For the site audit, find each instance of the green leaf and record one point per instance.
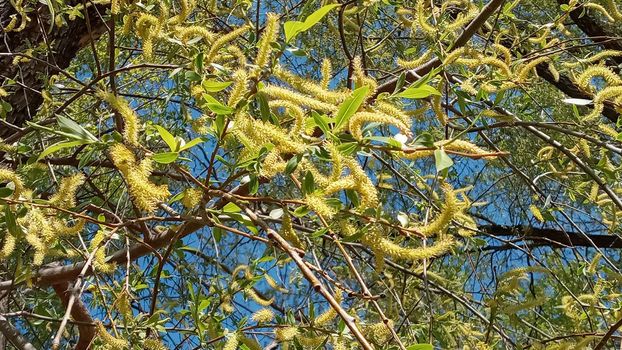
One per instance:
(231, 208)
(69, 126)
(442, 160)
(165, 157)
(11, 223)
(219, 108)
(321, 122)
(421, 347)
(168, 138)
(350, 106)
(293, 28)
(264, 108)
(214, 85)
(58, 146)
(191, 144)
(5, 192)
(291, 165)
(419, 92)
(308, 185)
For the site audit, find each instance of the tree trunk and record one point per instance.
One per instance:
(54, 46)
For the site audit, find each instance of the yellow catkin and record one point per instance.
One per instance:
(585, 78)
(263, 316)
(379, 332)
(416, 62)
(192, 197)
(439, 112)
(530, 304)
(130, 118)
(145, 194)
(10, 176)
(317, 203)
(327, 73)
(122, 304)
(525, 70)
(358, 120)
(223, 40)
(361, 78)
(187, 33)
(9, 245)
(270, 35)
(293, 110)
(115, 6)
(608, 130)
(283, 334)
(535, 211)
(240, 88)
(311, 342)
(448, 213)
(186, 8)
(613, 10)
(610, 92)
(451, 145)
(288, 232)
(374, 240)
(99, 258)
(601, 9)
(65, 197)
(256, 298)
(598, 57)
(330, 313)
(153, 344)
(421, 19)
(273, 284)
(148, 27)
(311, 88)
(280, 93)
(594, 191)
(232, 342)
(109, 341)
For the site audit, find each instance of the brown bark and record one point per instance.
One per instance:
(79, 313)
(554, 238)
(61, 43)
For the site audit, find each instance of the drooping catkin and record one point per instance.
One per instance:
(250, 292)
(330, 313)
(130, 118)
(270, 35)
(108, 340)
(65, 197)
(448, 212)
(99, 257)
(327, 73)
(223, 40)
(12, 177)
(145, 194)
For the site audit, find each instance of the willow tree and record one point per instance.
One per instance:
(310, 175)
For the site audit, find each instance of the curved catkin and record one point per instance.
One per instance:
(358, 120)
(601, 9)
(330, 313)
(374, 240)
(222, 41)
(130, 118)
(263, 316)
(293, 110)
(99, 257)
(185, 8)
(280, 93)
(187, 33)
(273, 284)
(421, 19)
(270, 35)
(610, 92)
(584, 79)
(613, 10)
(147, 28)
(598, 57)
(361, 78)
(10, 176)
(65, 197)
(256, 298)
(145, 194)
(317, 203)
(526, 69)
(108, 340)
(416, 62)
(448, 213)
(308, 87)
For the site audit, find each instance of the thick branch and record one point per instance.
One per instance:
(79, 313)
(552, 237)
(13, 336)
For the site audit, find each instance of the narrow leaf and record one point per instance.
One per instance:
(350, 106)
